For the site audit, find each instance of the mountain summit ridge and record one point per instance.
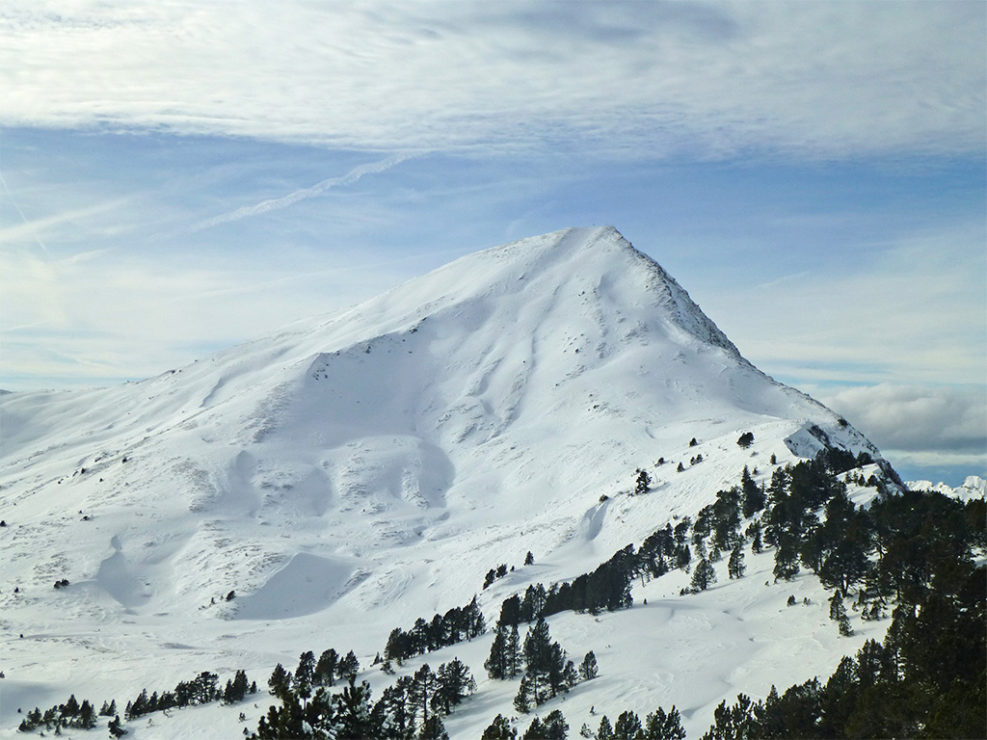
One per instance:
(578, 251)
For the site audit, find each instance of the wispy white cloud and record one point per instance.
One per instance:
(616, 79)
(917, 313)
(96, 317)
(36, 229)
(274, 204)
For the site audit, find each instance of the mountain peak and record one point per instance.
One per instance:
(577, 264)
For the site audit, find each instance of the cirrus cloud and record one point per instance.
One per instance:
(818, 80)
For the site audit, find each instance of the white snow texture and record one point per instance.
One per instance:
(361, 470)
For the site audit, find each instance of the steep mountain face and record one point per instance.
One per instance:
(368, 468)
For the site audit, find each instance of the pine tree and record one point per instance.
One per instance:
(661, 726)
(510, 611)
(533, 603)
(279, 682)
(71, 707)
(737, 721)
(352, 711)
(87, 716)
(554, 726)
(642, 483)
(702, 576)
(605, 731)
(394, 714)
(433, 729)
(348, 667)
(421, 690)
(137, 707)
(754, 533)
(302, 680)
(236, 689)
(499, 729)
(114, 727)
(529, 559)
(204, 688)
(570, 677)
(845, 542)
(683, 556)
(735, 566)
(588, 669)
(496, 662)
(513, 654)
(627, 727)
(837, 612)
(752, 496)
(544, 662)
(535, 731)
(455, 683)
(786, 559)
(525, 695)
(473, 621)
(399, 646)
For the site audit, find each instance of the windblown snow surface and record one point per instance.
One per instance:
(362, 470)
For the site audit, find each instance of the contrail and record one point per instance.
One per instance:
(30, 228)
(290, 199)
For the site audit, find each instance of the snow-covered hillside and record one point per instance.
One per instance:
(362, 470)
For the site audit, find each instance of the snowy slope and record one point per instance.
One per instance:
(358, 471)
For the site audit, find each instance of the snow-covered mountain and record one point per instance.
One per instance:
(972, 487)
(361, 470)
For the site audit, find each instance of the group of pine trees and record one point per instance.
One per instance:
(501, 570)
(456, 625)
(915, 553)
(552, 727)
(656, 726)
(493, 574)
(547, 671)
(928, 678)
(312, 674)
(202, 689)
(607, 587)
(69, 714)
(411, 707)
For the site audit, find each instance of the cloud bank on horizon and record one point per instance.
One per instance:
(180, 176)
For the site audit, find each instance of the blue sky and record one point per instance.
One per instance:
(178, 177)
